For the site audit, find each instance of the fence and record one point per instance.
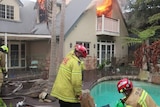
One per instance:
(27, 72)
(93, 75)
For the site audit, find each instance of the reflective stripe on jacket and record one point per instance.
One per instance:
(68, 83)
(140, 98)
(2, 61)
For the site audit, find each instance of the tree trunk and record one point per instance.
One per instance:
(61, 39)
(145, 65)
(53, 64)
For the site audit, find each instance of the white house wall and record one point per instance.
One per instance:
(84, 31)
(121, 49)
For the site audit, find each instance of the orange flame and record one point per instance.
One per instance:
(41, 4)
(105, 8)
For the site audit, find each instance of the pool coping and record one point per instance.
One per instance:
(113, 78)
(110, 78)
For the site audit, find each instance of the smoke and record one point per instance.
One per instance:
(123, 4)
(94, 3)
(33, 0)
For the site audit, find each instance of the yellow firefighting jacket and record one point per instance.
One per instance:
(2, 61)
(68, 83)
(140, 98)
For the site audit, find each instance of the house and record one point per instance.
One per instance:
(26, 33)
(101, 35)
(17, 22)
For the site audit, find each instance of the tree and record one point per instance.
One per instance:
(142, 41)
(143, 22)
(53, 56)
(53, 64)
(61, 39)
(140, 11)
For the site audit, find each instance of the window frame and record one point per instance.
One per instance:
(20, 57)
(6, 12)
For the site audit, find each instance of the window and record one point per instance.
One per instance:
(14, 55)
(42, 15)
(2, 11)
(23, 55)
(6, 11)
(105, 51)
(10, 12)
(86, 44)
(42, 11)
(17, 55)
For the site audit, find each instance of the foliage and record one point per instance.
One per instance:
(142, 51)
(2, 103)
(154, 19)
(10, 105)
(143, 22)
(140, 11)
(104, 63)
(152, 53)
(142, 36)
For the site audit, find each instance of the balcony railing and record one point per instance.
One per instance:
(108, 26)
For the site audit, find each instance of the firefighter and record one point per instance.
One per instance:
(3, 72)
(67, 87)
(134, 96)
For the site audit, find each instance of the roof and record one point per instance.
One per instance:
(26, 23)
(28, 15)
(72, 13)
(19, 2)
(41, 28)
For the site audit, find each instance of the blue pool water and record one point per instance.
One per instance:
(106, 92)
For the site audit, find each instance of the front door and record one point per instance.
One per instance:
(105, 52)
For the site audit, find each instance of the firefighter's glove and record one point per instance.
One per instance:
(79, 97)
(120, 103)
(43, 95)
(123, 100)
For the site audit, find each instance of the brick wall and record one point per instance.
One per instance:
(90, 63)
(155, 78)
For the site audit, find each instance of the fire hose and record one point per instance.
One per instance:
(7, 96)
(20, 103)
(16, 92)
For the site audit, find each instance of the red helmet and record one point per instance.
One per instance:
(124, 84)
(81, 49)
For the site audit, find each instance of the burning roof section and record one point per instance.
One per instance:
(41, 4)
(104, 8)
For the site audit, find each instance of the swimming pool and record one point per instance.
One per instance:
(106, 92)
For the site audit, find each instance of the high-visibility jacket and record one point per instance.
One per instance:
(2, 67)
(140, 98)
(2, 61)
(68, 83)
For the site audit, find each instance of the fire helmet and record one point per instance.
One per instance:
(124, 85)
(81, 49)
(4, 49)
